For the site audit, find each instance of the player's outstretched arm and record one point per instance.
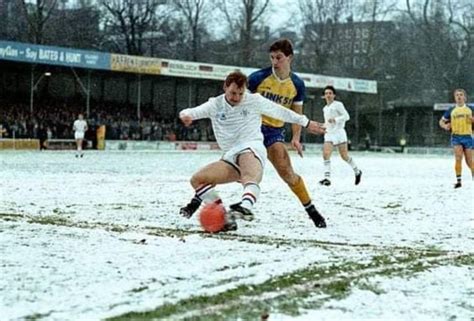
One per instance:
(188, 115)
(274, 110)
(186, 119)
(316, 128)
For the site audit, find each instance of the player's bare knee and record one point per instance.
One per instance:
(197, 180)
(289, 176)
(250, 177)
(293, 181)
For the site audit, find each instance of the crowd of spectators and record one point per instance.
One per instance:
(121, 121)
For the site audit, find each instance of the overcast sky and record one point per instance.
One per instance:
(281, 13)
(278, 16)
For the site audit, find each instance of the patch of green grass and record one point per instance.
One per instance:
(291, 306)
(11, 217)
(37, 316)
(382, 259)
(289, 292)
(367, 286)
(140, 289)
(119, 206)
(2, 215)
(48, 220)
(338, 289)
(275, 284)
(392, 205)
(465, 260)
(182, 233)
(225, 281)
(117, 229)
(286, 293)
(58, 211)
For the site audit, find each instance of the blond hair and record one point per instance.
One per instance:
(460, 90)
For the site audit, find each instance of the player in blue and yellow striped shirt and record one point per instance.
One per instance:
(458, 120)
(279, 84)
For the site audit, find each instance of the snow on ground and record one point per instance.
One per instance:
(100, 236)
(434, 295)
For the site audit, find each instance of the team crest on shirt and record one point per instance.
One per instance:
(221, 116)
(244, 112)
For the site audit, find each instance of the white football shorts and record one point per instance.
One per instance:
(79, 135)
(336, 137)
(255, 147)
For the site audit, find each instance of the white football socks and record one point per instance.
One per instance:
(250, 194)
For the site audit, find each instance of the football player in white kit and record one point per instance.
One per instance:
(335, 118)
(236, 118)
(80, 128)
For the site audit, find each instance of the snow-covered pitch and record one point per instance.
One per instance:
(100, 236)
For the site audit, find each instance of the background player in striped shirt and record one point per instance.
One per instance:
(279, 84)
(458, 120)
(236, 118)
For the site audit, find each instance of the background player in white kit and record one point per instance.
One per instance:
(335, 118)
(236, 118)
(80, 128)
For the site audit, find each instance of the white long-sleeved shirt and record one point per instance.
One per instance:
(238, 124)
(337, 111)
(79, 125)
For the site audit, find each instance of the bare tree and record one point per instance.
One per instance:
(129, 21)
(348, 38)
(244, 19)
(379, 43)
(13, 22)
(194, 12)
(76, 26)
(445, 31)
(461, 25)
(37, 14)
(320, 20)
